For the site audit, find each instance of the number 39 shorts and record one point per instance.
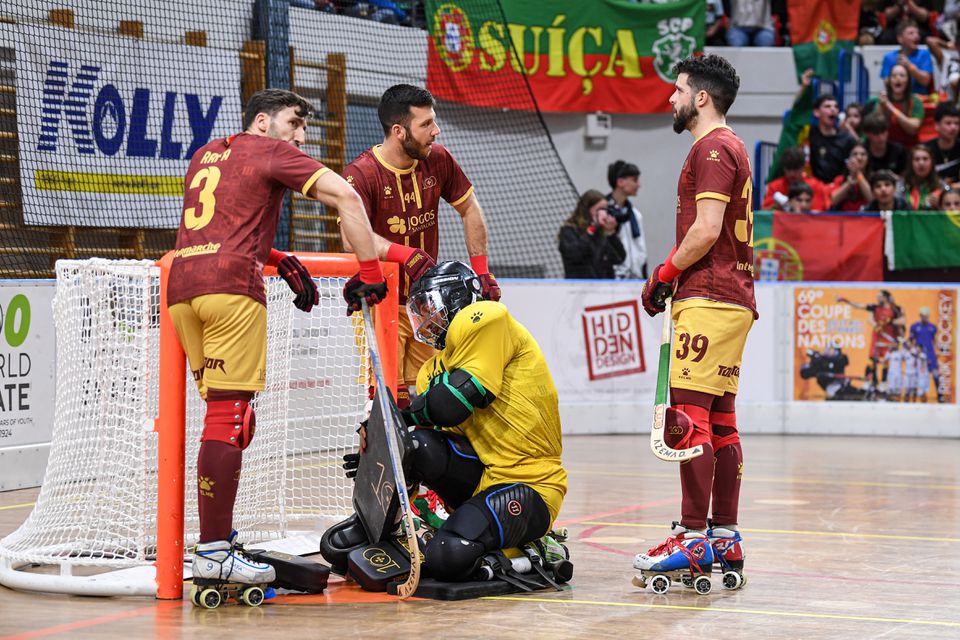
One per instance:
(708, 340)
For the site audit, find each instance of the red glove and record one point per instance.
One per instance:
(297, 278)
(367, 285)
(413, 261)
(659, 286)
(489, 289)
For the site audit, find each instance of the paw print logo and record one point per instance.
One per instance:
(685, 372)
(206, 484)
(350, 180)
(397, 224)
(476, 316)
(714, 155)
(387, 191)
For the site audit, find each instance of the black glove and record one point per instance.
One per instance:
(655, 293)
(489, 288)
(298, 279)
(351, 462)
(356, 290)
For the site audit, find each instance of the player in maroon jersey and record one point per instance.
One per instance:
(216, 296)
(888, 327)
(401, 182)
(709, 273)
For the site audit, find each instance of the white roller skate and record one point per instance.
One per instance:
(686, 556)
(222, 568)
(728, 554)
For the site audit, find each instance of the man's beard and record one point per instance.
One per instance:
(684, 118)
(413, 148)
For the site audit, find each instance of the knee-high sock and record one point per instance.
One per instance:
(696, 476)
(218, 474)
(728, 454)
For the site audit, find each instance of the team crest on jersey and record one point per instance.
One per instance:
(397, 224)
(714, 155)
(430, 182)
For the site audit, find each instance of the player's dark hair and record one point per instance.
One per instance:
(799, 187)
(824, 98)
(882, 175)
(713, 74)
(271, 101)
(580, 218)
(875, 122)
(945, 109)
(793, 158)
(395, 103)
(621, 169)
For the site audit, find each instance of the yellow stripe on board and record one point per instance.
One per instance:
(832, 534)
(762, 612)
(18, 506)
(83, 182)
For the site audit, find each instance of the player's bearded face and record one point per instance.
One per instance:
(413, 147)
(684, 116)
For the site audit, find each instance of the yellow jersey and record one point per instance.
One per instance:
(517, 437)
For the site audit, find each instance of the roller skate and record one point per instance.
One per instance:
(222, 569)
(686, 556)
(728, 554)
(550, 558)
(428, 506)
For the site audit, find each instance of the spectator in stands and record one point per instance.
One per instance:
(588, 240)
(943, 48)
(792, 161)
(853, 120)
(624, 180)
(829, 146)
(716, 24)
(799, 198)
(903, 109)
(851, 191)
(882, 154)
(950, 201)
(869, 28)
(921, 186)
(945, 148)
(883, 186)
(917, 62)
(751, 24)
(384, 11)
(897, 12)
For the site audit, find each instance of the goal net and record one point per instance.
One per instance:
(97, 508)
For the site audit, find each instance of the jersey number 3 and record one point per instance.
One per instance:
(206, 180)
(744, 227)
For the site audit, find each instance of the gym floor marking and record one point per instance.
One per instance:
(762, 612)
(92, 622)
(18, 506)
(839, 534)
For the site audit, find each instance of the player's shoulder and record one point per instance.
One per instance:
(478, 315)
(363, 161)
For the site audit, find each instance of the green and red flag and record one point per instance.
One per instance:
(925, 240)
(819, 30)
(602, 55)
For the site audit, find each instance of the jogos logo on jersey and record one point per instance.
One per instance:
(84, 106)
(614, 343)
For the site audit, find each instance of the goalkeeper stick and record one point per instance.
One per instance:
(388, 410)
(660, 448)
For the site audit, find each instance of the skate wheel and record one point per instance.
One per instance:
(702, 584)
(660, 584)
(252, 597)
(686, 581)
(210, 598)
(195, 596)
(639, 581)
(563, 571)
(732, 580)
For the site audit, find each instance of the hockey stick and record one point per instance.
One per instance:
(660, 448)
(405, 589)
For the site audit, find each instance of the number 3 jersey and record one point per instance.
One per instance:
(718, 167)
(233, 193)
(517, 437)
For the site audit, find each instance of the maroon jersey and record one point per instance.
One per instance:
(718, 167)
(233, 192)
(402, 204)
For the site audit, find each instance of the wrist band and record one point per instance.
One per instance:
(399, 253)
(479, 265)
(275, 257)
(669, 271)
(370, 272)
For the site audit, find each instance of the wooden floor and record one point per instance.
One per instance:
(845, 538)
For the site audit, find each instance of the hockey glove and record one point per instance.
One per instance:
(489, 289)
(414, 262)
(659, 286)
(351, 461)
(298, 279)
(367, 285)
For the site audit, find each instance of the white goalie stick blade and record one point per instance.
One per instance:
(409, 586)
(657, 444)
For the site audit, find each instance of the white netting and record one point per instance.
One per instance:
(97, 505)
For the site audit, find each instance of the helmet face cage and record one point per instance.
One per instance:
(436, 298)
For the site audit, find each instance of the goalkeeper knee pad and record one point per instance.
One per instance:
(686, 426)
(230, 421)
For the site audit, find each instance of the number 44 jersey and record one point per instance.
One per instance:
(718, 168)
(233, 192)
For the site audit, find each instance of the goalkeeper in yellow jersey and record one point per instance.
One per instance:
(493, 454)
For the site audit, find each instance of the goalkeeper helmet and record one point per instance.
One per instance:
(437, 296)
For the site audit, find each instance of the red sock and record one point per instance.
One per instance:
(696, 478)
(726, 483)
(218, 474)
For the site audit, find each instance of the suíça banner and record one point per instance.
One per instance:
(893, 344)
(602, 55)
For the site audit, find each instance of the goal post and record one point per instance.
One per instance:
(117, 509)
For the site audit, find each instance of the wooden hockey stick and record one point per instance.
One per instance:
(660, 448)
(405, 589)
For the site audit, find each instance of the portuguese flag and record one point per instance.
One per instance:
(601, 55)
(925, 240)
(819, 29)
